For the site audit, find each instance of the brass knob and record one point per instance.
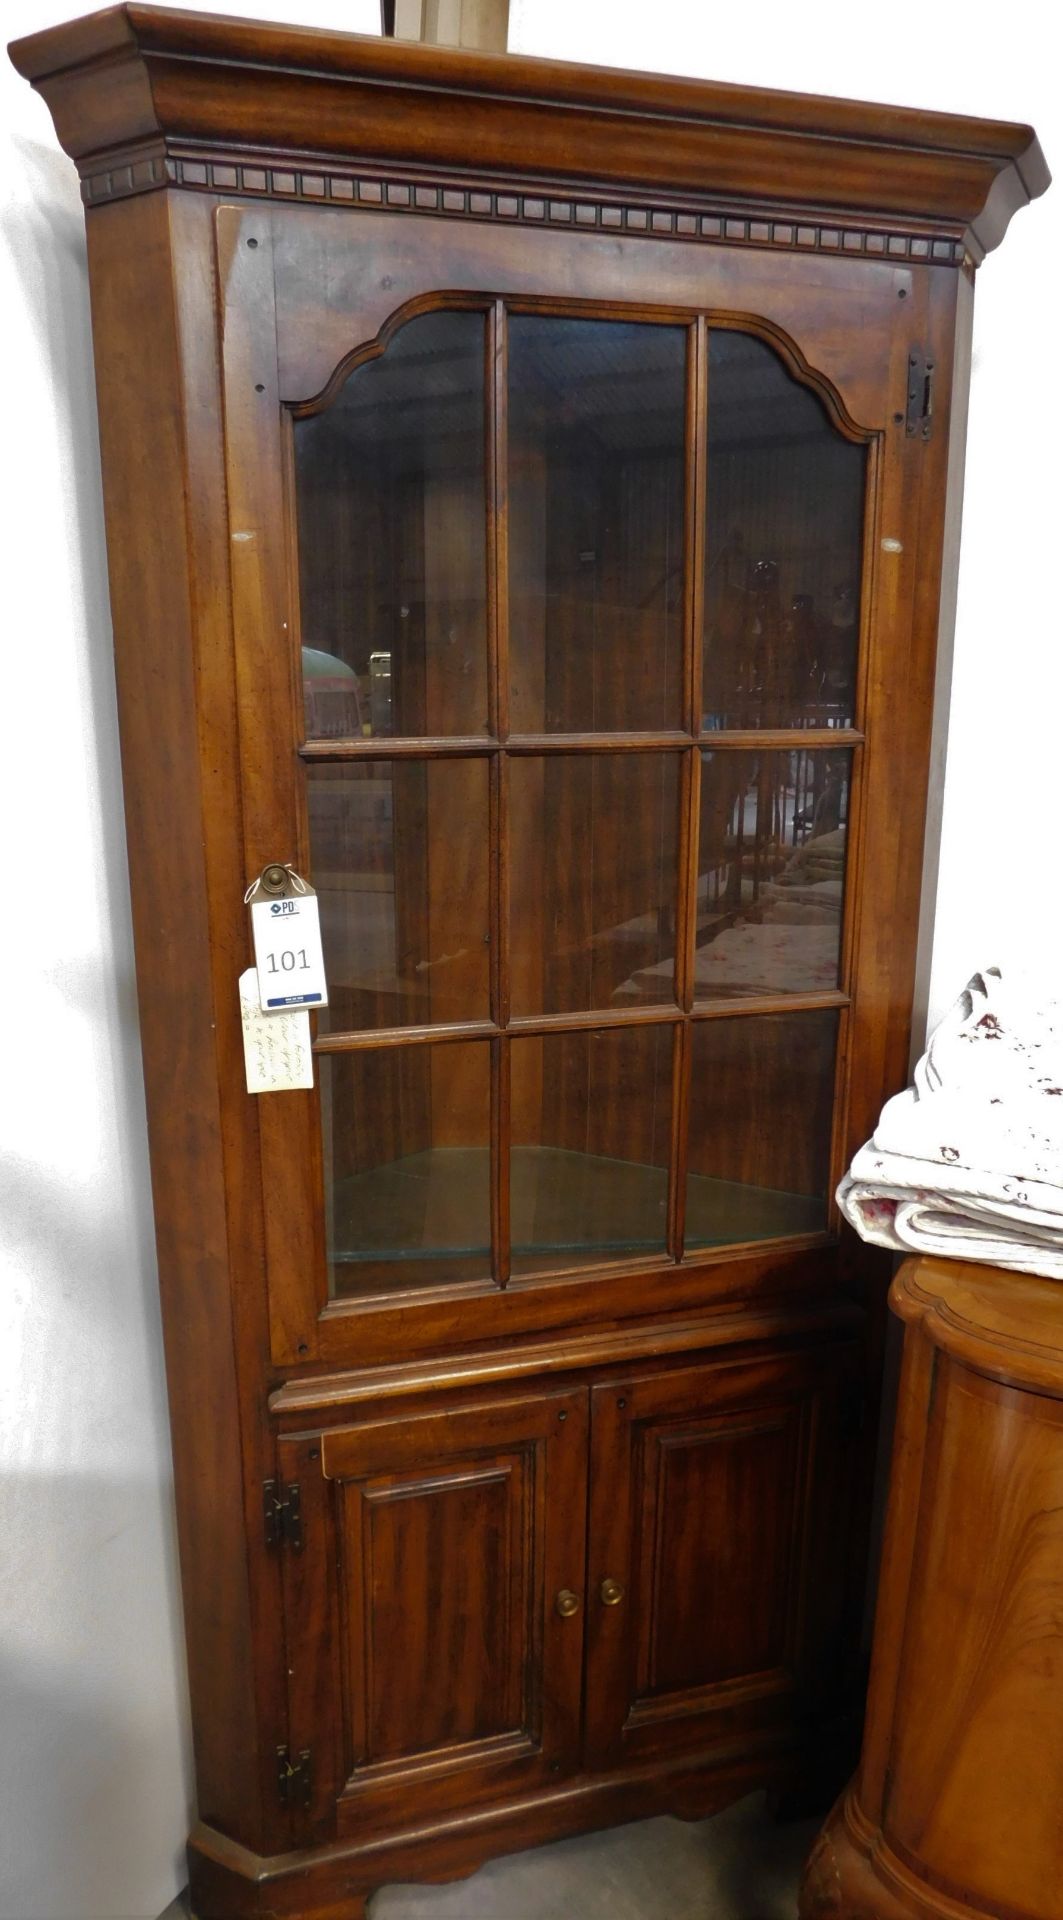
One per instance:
(612, 1592)
(567, 1603)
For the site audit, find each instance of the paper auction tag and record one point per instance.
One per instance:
(277, 1052)
(286, 932)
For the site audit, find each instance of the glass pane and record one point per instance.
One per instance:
(591, 1128)
(771, 868)
(761, 1104)
(593, 882)
(399, 857)
(783, 547)
(406, 1134)
(391, 511)
(596, 418)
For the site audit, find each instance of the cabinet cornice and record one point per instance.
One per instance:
(142, 96)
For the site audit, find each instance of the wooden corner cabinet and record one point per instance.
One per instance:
(532, 498)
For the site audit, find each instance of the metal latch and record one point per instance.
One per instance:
(294, 1777)
(920, 395)
(282, 1514)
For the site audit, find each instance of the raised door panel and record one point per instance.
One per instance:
(716, 1495)
(429, 1663)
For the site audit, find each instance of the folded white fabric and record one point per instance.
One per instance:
(968, 1161)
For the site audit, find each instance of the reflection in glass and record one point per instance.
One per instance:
(406, 1135)
(761, 1102)
(390, 498)
(593, 880)
(783, 547)
(399, 858)
(591, 1127)
(771, 869)
(596, 416)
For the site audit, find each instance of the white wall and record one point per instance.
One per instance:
(93, 1749)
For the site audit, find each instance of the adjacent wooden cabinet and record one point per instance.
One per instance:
(532, 500)
(953, 1810)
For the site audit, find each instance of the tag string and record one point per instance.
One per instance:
(298, 883)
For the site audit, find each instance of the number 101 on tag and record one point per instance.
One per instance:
(288, 956)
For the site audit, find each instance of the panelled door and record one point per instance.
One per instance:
(577, 605)
(720, 1495)
(435, 1608)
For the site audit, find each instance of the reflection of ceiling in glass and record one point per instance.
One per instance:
(619, 381)
(753, 399)
(575, 371)
(428, 384)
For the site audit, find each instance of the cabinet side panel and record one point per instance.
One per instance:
(141, 408)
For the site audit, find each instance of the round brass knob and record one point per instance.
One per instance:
(567, 1603)
(612, 1592)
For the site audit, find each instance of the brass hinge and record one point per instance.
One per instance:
(282, 1514)
(920, 408)
(294, 1777)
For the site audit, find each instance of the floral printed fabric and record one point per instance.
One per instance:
(969, 1160)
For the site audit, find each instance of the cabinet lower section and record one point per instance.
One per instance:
(511, 1613)
(333, 1882)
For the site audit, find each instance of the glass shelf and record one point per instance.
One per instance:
(565, 1207)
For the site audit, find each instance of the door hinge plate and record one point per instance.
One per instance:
(282, 1514)
(294, 1777)
(919, 411)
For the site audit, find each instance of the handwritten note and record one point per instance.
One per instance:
(276, 1045)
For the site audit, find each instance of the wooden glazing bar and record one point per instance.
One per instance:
(498, 518)
(411, 1036)
(580, 1022)
(697, 433)
(693, 640)
(496, 922)
(680, 1133)
(527, 743)
(382, 747)
(687, 878)
(788, 739)
(769, 1003)
(501, 1130)
(598, 1017)
(501, 967)
(436, 746)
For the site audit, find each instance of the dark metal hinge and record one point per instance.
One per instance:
(917, 418)
(282, 1514)
(294, 1778)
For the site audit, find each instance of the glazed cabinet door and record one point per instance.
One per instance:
(434, 1609)
(719, 1494)
(578, 622)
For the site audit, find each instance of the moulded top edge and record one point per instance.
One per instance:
(134, 71)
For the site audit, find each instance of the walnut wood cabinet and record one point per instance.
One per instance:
(954, 1810)
(532, 500)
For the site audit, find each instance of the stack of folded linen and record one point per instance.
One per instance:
(969, 1160)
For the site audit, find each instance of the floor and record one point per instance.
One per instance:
(739, 1866)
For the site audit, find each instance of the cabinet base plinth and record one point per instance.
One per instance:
(852, 1875)
(334, 1881)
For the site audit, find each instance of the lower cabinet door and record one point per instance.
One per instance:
(716, 1552)
(435, 1609)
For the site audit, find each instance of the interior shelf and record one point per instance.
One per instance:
(436, 1205)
